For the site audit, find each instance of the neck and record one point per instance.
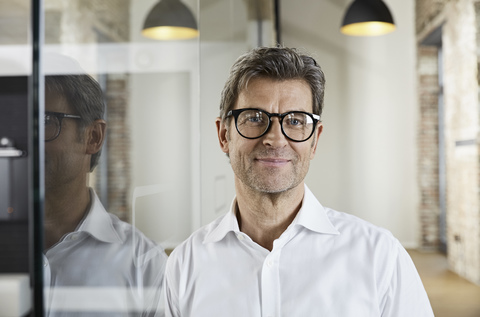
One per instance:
(65, 207)
(263, 216)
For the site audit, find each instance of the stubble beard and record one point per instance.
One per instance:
(269, 180)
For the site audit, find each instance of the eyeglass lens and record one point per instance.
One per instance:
(297, 126)
(52, 127)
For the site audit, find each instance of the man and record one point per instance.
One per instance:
(278, 252)
(95, 264)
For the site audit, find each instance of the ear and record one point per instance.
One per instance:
(222, 132)
(95, 135)
(318, 132)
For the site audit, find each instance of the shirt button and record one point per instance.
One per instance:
(45, 263)
(270, 263)
(74, 237)
(240, 237)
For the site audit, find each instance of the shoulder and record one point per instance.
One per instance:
(349, 224)
(343, 226)
(375, 249)
(365, 241)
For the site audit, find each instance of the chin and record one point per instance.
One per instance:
(274, 188)
(275, 191)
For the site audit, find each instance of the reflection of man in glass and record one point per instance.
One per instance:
(278, 251)
(95, 264)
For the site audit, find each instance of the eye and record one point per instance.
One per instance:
(252, 118)
(255, 119)
(295, 120)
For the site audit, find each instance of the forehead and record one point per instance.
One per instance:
(276, 95)
(56, 103)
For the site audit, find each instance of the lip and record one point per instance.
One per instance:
(273, 161)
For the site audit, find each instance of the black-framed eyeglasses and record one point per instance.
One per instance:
(252, 123)
(53, 124)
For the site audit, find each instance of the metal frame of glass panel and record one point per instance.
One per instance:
(37, 150)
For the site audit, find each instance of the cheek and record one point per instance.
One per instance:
(234, 153)
(312, 152)
(240, 153)
(49, 153)
(305, 153)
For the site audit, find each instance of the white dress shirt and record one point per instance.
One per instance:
(326, 263)
(105, 268)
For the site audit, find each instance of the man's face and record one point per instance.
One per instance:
(271, 163)
(65, 157)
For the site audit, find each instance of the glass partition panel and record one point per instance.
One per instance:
(109, 218)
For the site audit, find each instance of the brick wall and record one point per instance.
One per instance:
(118, 144)
(460, 38)
(94, 21)
(427, 141)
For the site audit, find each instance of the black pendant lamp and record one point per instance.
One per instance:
(367, 18)
(170, 20)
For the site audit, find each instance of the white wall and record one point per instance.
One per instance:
(164, 111)
(217, 180)
(366, 162)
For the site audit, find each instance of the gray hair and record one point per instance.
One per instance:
(84, 95)
(278, 63)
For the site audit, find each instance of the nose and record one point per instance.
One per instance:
(274, 136)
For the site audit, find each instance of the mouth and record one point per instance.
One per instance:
(272, 161)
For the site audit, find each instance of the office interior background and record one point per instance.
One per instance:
(401, 120)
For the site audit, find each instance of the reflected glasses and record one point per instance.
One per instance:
(252, 123)
(53, 124)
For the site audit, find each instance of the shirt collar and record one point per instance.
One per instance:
(98, 222)
(312, 215)
(227, 223)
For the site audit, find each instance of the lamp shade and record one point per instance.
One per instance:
(170, 20)
(367, 18)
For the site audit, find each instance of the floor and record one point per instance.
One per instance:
(450, 295)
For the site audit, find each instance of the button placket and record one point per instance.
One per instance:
(271, 285)
(270, 263)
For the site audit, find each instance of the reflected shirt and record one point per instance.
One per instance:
(326, 263)
(105, 268)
